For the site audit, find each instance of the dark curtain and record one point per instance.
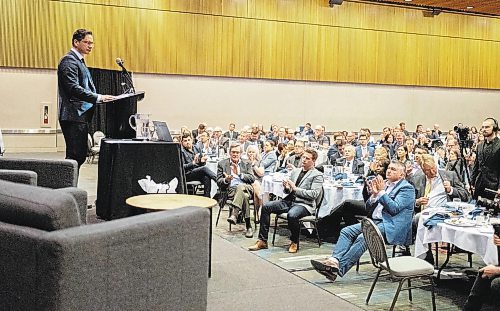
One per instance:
(106, 82)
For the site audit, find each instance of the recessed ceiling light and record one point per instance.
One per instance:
(408, 0)
(470, 7)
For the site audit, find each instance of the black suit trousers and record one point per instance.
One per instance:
(75, 137)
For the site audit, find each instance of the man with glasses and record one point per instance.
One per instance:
(77, 96)
(236, 177)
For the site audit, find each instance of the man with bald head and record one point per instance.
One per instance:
(318, 136)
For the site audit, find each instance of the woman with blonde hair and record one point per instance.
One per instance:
(255, 159)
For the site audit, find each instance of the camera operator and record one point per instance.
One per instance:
(486, 170)
(487, 284)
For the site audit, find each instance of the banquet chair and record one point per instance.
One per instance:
(223, 201)
(400, 269)
(194, 187)
(311, 219)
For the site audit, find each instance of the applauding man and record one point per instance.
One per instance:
(391, 208)
(303, 188)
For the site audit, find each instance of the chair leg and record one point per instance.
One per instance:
(432, 293)
(317, 234)
(393, 251)
(218, 215)
(357, 266)
(469, 257)
(373, 285)
(397, 294)
(409, 290)
(275, 227)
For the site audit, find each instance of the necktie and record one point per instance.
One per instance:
(427, 190)
(234, 168)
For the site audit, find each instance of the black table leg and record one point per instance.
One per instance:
(210, 247)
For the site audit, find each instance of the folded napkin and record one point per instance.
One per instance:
(454, 211)
(360, 180)
(476, 212)
(340, 176)
(435, 219)
(347, 184)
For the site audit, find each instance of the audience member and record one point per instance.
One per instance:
(304, 188)
(235, 176)
(363, 151)
(194, 165)
(391, 208)
(486, 286)
(231, 133)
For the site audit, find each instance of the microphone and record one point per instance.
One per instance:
(126, 75)
(120, 62)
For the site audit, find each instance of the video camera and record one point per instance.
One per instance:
(491, 205)
(462, 131)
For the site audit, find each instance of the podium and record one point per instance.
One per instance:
(123, 162)
(117, 113)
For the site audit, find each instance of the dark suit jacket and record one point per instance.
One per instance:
(486, 170)
(224, 166)
(234, 135)
(76, 90)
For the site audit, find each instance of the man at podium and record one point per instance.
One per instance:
(77, 96)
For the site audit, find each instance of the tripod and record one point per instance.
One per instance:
(463, 162)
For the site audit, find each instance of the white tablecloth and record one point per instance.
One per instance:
(467, 238)
(212, 165)
(332, 199)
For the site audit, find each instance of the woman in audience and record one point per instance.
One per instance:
(285, 153)
(402, 155)
(380, 162)
(473, 135)
(388, 143)
(258, 170)
(423, 141)
(268, 159)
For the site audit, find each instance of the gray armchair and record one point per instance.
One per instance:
(55, 174)
(154, 261)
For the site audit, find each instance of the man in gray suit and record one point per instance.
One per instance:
(236, 177)
(304, 188)
(434, 188)
(77, 96)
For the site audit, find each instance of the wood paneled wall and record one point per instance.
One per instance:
(272, 39)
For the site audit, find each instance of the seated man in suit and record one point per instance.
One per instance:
(363, 151)
(391, 208)
(194, 165)
(351, 165)
(434, 188)
(303, 188)
(236, 177)
(318, 136)
(295, 159)
(231, 133)
(333, 151)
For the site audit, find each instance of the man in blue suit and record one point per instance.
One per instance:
(391, 208)
(363, 151)
(77, 96)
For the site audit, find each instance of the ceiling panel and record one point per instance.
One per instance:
(491, 7)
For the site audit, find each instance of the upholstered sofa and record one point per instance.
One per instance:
(49, 173)
(49, 261)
